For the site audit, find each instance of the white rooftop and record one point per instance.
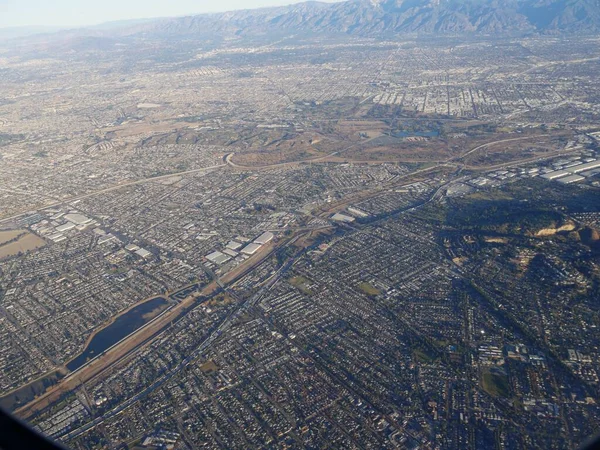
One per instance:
(251, 249)
(213, 255)
(78, 219)
(342, 218)
(264, 238)
(233, 245)
(143, 253)
(65, 227)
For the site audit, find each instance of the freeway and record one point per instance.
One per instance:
(488, 144)
(223, 326)
(134, 343)
(228, 159)
(141, 337)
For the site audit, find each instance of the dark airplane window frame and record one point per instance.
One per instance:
(15, 434)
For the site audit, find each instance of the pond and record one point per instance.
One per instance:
(122, 327)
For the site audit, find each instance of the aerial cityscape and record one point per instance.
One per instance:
(263, 229)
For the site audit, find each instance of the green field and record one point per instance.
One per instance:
(301, 283)
(424, 356)
(495, 384)
(369, 289)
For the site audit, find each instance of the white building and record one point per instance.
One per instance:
(343, 218)
(251, 249)
(78, 219)
(264, 238)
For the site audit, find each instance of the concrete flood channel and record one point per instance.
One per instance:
(122, 327)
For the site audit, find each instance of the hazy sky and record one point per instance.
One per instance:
(70, 13)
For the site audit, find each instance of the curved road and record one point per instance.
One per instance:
(479, 147)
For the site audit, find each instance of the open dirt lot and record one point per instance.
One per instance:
(18, 241)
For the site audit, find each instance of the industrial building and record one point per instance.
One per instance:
(142, 252)
(343, 218)
(571, 179)
(556, 174)
(58, 237)
(218, 258)
(357, 212)
(65, 227)
(78, 219)
(583, 167)
(233, 245)
(251, 249)
(264, 238)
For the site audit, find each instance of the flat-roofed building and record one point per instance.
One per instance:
(357, 212)
(212, 257)
(222, 259)
(343, 218)
(57, 216)
(143, 253)
(572, 165)
(106, 238)
(583, 167)
(590, 173)
(556, 174)
(218, 258)
(571, 179)
(65, 227)
(251, 249)
(58, 237)
(233, 245)
(264, 238)
(78, 219)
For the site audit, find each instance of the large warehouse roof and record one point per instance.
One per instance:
(264, 238)
(251, 249)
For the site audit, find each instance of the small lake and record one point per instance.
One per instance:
(122, 327)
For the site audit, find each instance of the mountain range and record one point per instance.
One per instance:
(372, 18)
(381, 17)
